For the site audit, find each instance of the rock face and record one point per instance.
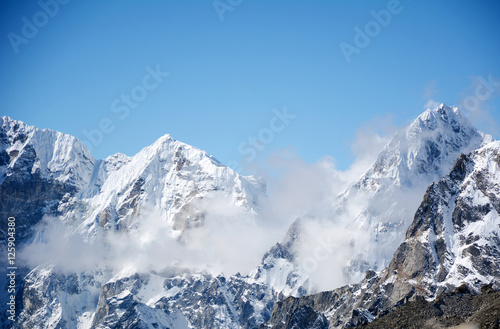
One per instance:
(460, 307)
(39, 169)
(454, 240)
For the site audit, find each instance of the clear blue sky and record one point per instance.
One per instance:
(226, 76)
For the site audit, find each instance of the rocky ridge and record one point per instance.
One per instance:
(454, 239)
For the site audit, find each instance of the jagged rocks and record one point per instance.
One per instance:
(203, 300)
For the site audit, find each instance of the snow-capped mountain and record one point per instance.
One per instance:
(381, 203)
(171, 299)
(454, 239)
(123, 210)
(48, 174)
(170, 176)
(66, 181)
(417, 156)
(38, 169)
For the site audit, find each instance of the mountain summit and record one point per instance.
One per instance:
(66, 181)
(378, 208)
(426, 149)
(391, 189)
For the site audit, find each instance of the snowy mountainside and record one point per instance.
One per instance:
(60, 157)
(428, 146)
(174, 298)
(417, 156)
(39, 169)
(454, 239)
(67, 182)
(47, 174)
(458, 230)
(278, 267)
(168, 176)
(382, 202)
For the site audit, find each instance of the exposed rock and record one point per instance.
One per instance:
(449, 310)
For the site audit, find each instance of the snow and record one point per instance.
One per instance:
(165, 181)
(417, 156)
(479, 189)
(275, 275)
(154, 290)
(59, 156)
(85, 320)
(156, 318)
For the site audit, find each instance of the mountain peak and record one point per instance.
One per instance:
(417, 156)
(166, 138)
(444, 117)
(167, 147)
(7, 123)
(45, 152)
(161, 142)
(428, 146)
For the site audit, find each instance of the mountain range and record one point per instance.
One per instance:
(132, 242)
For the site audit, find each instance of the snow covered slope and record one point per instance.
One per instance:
(392, 188)
(66, 181)
(168, 176)
(377, 209)
(60, 157)
(47, 174)
(39, 168)
(454, 239)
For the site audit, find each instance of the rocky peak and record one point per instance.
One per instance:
(426, 149)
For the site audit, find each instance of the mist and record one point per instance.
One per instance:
(476, 99)
(231, 239)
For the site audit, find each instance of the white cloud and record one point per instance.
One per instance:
(475, 101)
(431, 104)
(370, 139)
(430, 89)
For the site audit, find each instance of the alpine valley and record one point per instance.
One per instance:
(421, 238)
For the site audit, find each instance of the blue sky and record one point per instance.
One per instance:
(233, 64)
